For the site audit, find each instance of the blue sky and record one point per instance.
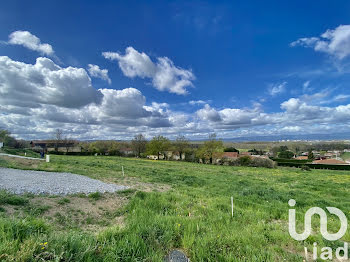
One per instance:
(109, 69)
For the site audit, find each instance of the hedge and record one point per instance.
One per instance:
(315, 166)
(71, 153)
(283, 160)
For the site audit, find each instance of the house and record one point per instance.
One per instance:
(155, 157)
(126, 151)
(260, 156)
(175, 155)
(329, 155)
(169, 155)
(245, 154)
(330, 161)
(230, 155)
(53, 145)
(301, 158)
(1, 144)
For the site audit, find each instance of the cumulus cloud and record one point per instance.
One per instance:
(30, 41)
(294, 110)
(44, 83)
(95, 71)
(335, 42)
(43, 96)
(276, 89)
(165, 76)
(208, 113)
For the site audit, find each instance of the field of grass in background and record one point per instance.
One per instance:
(345, 156)
(193, 215)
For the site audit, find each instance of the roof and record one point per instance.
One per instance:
(230, 154)
(245, 153)
(302, 158)
(330, 161)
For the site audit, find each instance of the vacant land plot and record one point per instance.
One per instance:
(171, 205)
(52, 183)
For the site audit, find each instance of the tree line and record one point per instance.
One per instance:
(159, 146)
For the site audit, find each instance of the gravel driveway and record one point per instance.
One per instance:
(53, 183)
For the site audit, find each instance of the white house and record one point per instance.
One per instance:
(1, 144)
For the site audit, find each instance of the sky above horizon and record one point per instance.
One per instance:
(113, 69)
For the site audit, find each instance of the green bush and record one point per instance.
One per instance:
(244, 161)
(262, 162)
(250, 161)
(283, 160)
(11, 199)
(305, 168)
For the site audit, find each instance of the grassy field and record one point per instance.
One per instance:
(345, 156)
(170, 205)
(20, 152)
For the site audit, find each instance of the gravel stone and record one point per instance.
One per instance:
(53, 183)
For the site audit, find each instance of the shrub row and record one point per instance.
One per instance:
(248, 161)
(71, 153)
(316, 166)
(283, 160)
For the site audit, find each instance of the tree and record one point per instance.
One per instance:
(210, 149)
(286, 154)
(68, 143)
(7, 139)
(310, 155)
(158, 145)
(181, 145)
(58, 137)
(231, 149)
(138, 144)
(256, 152)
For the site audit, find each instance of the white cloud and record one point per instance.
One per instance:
(276, 89)
(306, 84)
(209, 114)
(41, 97)
(334, 42)
(292, 128)
(44, 83)
(95, 71)
(164, 74)
(306, 87)
(197, 102)
(30, 41)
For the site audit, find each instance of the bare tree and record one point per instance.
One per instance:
(68, 143)
(138, 144)
(58, 137)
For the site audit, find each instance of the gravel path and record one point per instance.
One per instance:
(39, 182)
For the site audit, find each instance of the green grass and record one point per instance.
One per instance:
(345, 156)
(194, 215)
(20, 152)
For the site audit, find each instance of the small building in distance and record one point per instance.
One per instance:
(53, 145)
(126, 151)
(301, 158)
(230, 155)
(1, 144)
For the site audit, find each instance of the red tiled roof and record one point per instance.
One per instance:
(301, 158)
(230, 154)
(245, 153)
